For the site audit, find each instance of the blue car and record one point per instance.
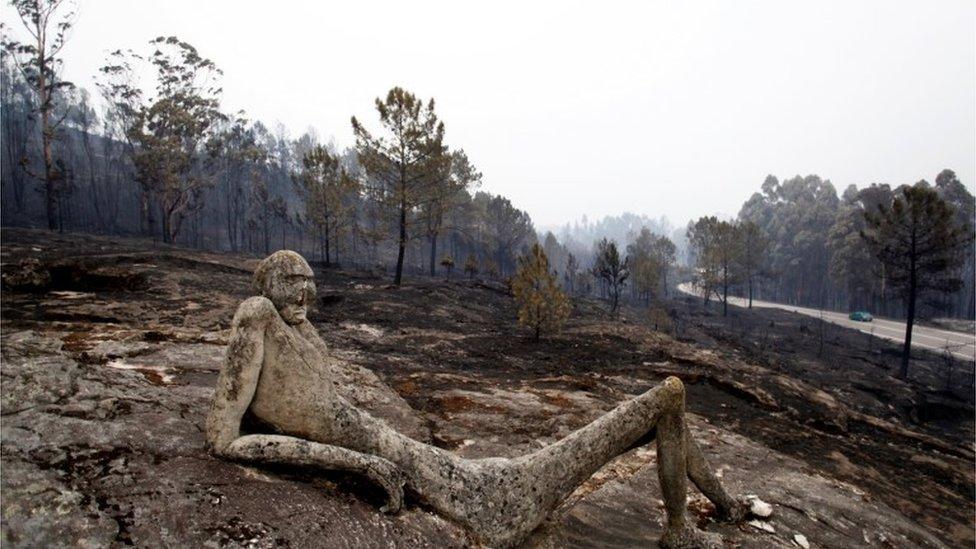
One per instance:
(861, 316)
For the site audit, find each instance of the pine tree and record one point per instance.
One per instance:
(717, 247)
(542, 305)
(448, 263)
(701, 241)
(920, 244)
(327, 190)
(452, 177)
(471, 266)
(612, 270)
(752, 254)
(572, 271)
(644, 264)
(404, 159)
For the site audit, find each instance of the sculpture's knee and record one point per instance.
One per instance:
(673, 395)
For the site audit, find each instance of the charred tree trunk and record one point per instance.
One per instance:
(47, 137)
(725, 291)
(910, 320)
(328, 245)
(167, 239)
(750, 292)
(433, 254)
(145, 213)
(401, 248)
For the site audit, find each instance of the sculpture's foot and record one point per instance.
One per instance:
(689, 537)
(737, 511)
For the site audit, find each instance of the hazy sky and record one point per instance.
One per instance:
(673, 108)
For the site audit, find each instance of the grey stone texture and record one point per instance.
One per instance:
(278, 369)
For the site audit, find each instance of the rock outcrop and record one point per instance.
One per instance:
(105, 391)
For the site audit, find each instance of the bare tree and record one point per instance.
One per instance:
(38, 61)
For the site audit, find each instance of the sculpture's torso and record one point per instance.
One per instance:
(295, 391)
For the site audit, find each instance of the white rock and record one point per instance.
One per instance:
(801, 540)
(760, 508)
(762, 525)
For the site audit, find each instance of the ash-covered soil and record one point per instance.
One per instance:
(111, 348)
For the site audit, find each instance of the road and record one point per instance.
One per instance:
(960, 344)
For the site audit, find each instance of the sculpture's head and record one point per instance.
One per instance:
(285, 278)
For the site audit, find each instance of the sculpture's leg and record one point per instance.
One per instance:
(558, 469)
(503, 500)
(460, 488)
(565, 464)
(672, 470)
(701, 474)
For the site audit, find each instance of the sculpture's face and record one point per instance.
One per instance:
(288, 281)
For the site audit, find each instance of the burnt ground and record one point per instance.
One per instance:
(858, 371)
(111, 347)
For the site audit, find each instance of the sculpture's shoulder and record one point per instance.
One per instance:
(254, 310)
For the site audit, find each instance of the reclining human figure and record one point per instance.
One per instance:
(276, 369)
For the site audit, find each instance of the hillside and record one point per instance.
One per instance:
(111, 347)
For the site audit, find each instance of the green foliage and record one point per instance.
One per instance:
(918, 238)
(650, 256)
(448, 263)
(610, 269)
(39, 65)
(920, 242)
(471, 266)
(173, 131)
(796, 216)
(660, 319)
(852, 265)
(403, 162)
(490, 269)
(719, 249)
(543, 307)
(328, 191)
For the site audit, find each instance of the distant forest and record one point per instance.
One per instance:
(817, 255)
(131, 164)
(162, 160)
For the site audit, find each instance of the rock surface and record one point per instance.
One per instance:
(105, 391)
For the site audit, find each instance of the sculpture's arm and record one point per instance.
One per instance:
(236, 385)
(296, 451)
(238, 379)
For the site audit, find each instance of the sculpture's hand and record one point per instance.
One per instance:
(389, 476)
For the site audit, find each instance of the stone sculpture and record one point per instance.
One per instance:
(275, 370)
